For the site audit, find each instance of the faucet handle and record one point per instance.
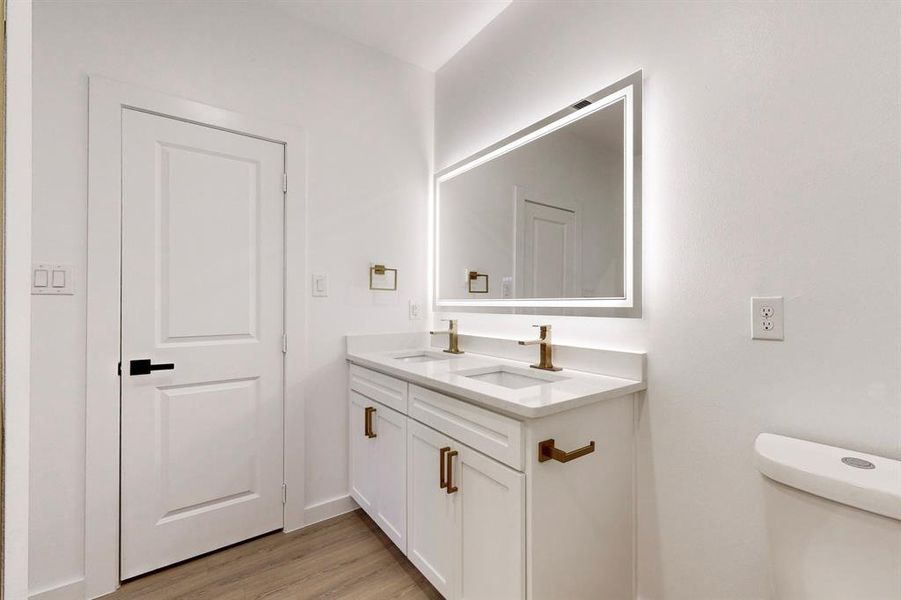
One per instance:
(451, 329)
(545, 332)
(545, 361)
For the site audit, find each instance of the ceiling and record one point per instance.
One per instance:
(426, 33)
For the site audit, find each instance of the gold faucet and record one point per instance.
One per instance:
(546, 353)
(453, 339)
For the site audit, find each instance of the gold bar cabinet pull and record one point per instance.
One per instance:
(451, 488)
(441, 464)
(547, 451)
(367, 422)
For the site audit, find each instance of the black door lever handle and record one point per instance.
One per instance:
(143, 366)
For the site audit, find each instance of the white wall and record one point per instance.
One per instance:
(368, 120)
(17, 302)
(771, 166)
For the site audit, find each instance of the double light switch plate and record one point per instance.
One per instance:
(52, 279)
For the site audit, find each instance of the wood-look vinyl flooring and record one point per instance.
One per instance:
(345, 557)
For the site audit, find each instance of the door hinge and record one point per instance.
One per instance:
(285, 182)
(285, 343)
(119, 370)
(284, 493)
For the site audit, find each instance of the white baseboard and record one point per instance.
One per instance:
(328, 509)
(72, 590)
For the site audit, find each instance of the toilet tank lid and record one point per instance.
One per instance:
(818, 469)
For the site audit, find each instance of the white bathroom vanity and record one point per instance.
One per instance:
(497, 480)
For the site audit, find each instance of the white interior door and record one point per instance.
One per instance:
(548, 250)
(202, 291)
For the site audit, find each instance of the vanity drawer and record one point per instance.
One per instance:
(386, 389)
(497, 436)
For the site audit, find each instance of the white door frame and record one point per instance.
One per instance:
(16, 306)
(108, 99)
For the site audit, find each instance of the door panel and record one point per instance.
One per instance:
(363, 451)
(210, 275)
(491, 529)
(547, 270)
(548, 247)
(202, 288)
(191, 480)
(431, 532)
(391, 510)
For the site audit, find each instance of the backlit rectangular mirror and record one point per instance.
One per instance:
(547, 221)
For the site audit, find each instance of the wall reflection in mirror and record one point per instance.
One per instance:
(546, 215)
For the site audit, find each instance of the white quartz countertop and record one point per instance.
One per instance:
(452, 374)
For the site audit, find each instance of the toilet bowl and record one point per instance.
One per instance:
(833, 520)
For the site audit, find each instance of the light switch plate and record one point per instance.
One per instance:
(320, 285)
(52, 279)
(415, 310)
(767, 318)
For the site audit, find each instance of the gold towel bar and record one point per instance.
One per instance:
(547, 451)
(475, 276)
(382, 271)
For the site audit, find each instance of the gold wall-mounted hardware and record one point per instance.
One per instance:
(546, 351)
(473, 279)
(547, 451)
(382, 271)
(441, 467)
(453, 339)
(451, 488)
(367, 422)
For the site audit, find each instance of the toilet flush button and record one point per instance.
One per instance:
(858, 463)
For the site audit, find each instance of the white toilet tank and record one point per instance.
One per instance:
(833, 519)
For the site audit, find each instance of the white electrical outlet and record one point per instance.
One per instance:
(767, 318)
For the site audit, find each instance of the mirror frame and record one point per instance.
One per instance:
(627, 90)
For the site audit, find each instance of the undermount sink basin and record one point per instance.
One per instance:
(419, 357)
(511, 378)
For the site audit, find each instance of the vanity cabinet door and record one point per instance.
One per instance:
(390, 428)
(469, 543)
(490, 528)
(431, 511)
(362, 467)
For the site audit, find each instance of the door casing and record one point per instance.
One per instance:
(107, 100)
